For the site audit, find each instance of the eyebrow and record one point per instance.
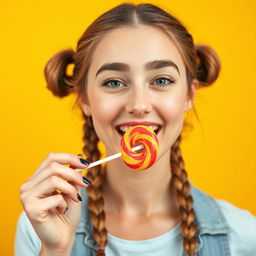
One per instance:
(119, 66)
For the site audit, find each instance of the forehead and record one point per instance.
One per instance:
(135, 46)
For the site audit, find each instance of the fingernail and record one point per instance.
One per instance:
(80, 155)
(86, 181)
(79, 197)
(66, 210)
(83, 161)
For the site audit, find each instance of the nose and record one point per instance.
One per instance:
(139, 102)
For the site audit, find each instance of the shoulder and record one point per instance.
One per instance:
(238, 219)
(242, 227)
(26, 239)
(220, 215)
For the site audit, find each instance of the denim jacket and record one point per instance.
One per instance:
(211, 223)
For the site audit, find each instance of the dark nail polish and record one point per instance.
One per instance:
(79, 197)
(83, 161)
(86, 181)
(66, 210)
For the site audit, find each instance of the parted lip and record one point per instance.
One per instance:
(133, 123)
(138, 123)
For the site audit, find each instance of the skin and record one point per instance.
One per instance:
(131, 197)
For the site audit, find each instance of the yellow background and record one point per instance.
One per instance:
(219, 154)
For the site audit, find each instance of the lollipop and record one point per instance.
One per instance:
(145, 136)
(147, 140)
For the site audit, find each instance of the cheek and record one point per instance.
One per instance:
(172, 111)
(104, 109)
(172, 108)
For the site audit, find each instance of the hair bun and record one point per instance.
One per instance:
(208, 66)
(58, 82)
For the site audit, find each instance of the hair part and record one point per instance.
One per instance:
(202, 64)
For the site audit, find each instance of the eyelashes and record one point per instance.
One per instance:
(115, 83)
(112, 83)
(170, 81)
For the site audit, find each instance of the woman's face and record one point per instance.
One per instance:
(147, 83)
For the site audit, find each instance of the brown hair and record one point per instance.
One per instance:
(202, 64)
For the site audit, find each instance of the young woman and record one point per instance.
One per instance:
(135, 64)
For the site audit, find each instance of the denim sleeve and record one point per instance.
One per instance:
(27, 242)
(242, 237)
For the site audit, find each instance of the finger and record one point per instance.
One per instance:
(48, 186)
(49, 203)
(62, 158)
(55, 169)
(72, 206)
(67, 199)
(62, 209)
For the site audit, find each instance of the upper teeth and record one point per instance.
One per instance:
(125, 128)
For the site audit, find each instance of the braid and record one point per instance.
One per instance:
(181, 187)
(95, 175)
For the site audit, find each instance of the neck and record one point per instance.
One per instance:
(142, 192)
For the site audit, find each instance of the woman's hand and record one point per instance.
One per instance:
(54, 215)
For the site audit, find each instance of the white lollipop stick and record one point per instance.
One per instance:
(109, 158)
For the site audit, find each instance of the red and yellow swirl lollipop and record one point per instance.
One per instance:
(139, 134)
(145, 136)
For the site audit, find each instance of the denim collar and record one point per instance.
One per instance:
(209, 218)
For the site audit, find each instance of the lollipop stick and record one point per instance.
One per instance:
(109, 158)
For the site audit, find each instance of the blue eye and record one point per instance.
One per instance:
(163, 82)
(160, 82)
(112, 83)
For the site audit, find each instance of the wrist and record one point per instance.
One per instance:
(47, 251)
(50, 252)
